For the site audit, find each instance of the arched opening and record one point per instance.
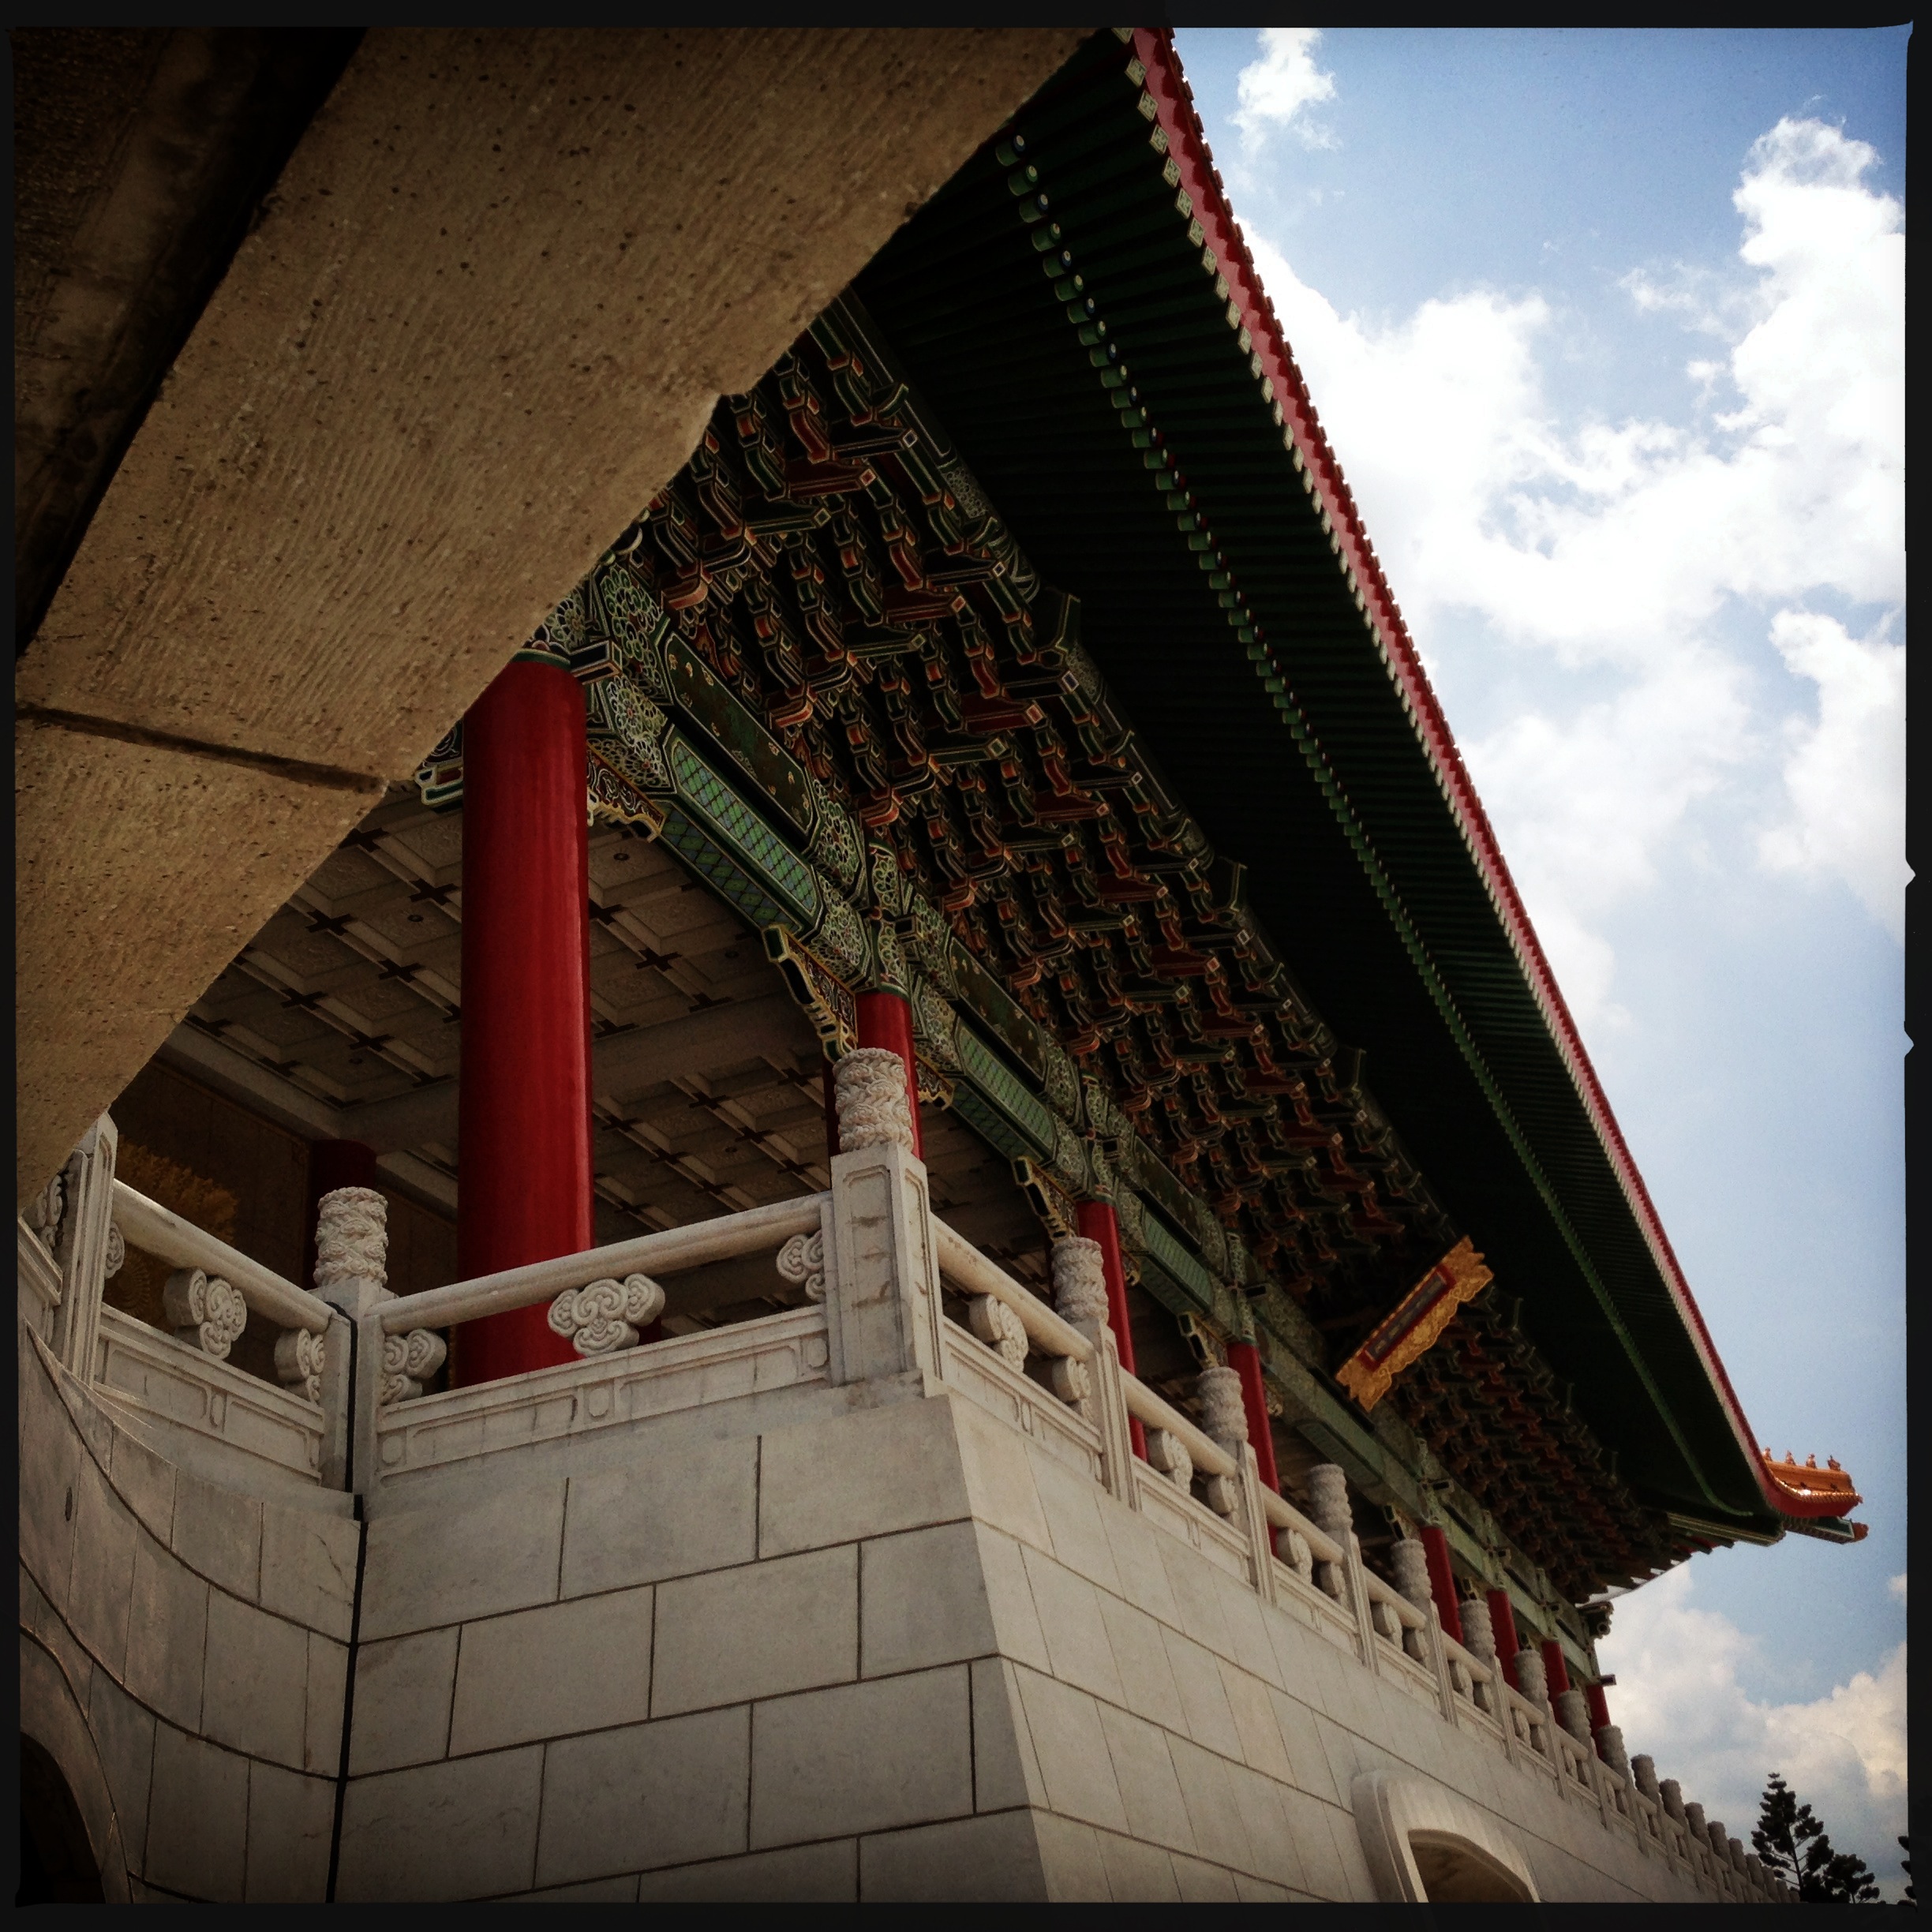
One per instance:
(1455, 1872)
(58, 1866)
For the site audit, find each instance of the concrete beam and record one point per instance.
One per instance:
(488, 310)
(139, 154)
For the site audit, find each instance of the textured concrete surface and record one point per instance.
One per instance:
(490, 303)
(138, 155)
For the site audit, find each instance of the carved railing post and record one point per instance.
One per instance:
(352, 1274)
(1426, 1645)
(1572, 1714)
(1533, 1682)
(334, 1397)
(74, 1219)
(1251, 1519)
(1479, 1641)
(1328, 1509)
(352, 1249)
(1328, 1499)
(1697, 1839)
(1409, 1561)
(1224, 1422)
(882, 1304)
(1080, 1299)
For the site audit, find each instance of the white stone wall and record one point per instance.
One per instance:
(836, 1604)
(184, 1654)
(902, 1652)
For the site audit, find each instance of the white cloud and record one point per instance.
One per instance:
(1585, 829)
(1621, 556)
(1276, 90)
(1677, 1697)
(1845, 772)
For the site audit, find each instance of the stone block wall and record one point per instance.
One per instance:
(900, 1652)
(886, 1640)
(184, 1654)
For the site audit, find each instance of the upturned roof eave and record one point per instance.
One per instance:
(1188, 148)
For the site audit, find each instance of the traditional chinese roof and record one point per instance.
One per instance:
(1016, 643)
(1080, 307)
(1827, 1491)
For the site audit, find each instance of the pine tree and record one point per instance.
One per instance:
(1794, 1846)
(1905, 1865)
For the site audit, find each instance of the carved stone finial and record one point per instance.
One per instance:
(1573, 1713)
(1409, 1561)
(1694, 1817)
(1610, 1749)
(1328, 1501)
(605, 1315)
(1478, 1629)
(299, 1362)
(408, 1361)
(1643, 1775)
(1670, 1795)
(869, 1091)
(1079, 1279)
(1532, 1678)
(204, 1311)
(352, 1249)
(1224, 1416)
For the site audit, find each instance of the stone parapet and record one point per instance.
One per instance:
(851, 1601)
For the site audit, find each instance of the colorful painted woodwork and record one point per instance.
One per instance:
(1410, 1328)
(821, 669)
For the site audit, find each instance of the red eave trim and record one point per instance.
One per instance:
(1187, 146)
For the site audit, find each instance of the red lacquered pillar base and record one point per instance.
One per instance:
(1098, 1222)
(1598, 1706)
(1503, 1622)
(1555, 1669)
(1245, 1359)
(524, 1185)
(1442, 1579)
(886, 1019)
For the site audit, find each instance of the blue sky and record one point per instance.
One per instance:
(1607, 329)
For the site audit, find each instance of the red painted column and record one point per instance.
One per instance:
(1098, 1222)
(886, 1019)
(1599, 1705)
(1245, 1359)
(1442, 1579)
(1555, 1669)
(524, 1183)
(332, 1164)
(1503, 1622)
